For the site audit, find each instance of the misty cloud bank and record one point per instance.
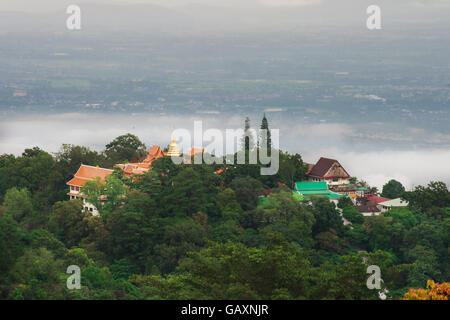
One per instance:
(372, 162)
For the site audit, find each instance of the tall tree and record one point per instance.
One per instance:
(113, 189)
(193, 190)
(265, 140)
(247, 191)
(292, 169)
(18, 203)
(67, 221)
(11, 244)
(435, 195)
(247, 142)
(70, 157)
(127, 147)
(327, 217)
(393, 189)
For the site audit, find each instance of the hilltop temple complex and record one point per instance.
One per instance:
(327, 178)
(87, 173)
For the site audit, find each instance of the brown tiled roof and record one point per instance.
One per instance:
(323, 166)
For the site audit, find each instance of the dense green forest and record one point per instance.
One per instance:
(186, 232)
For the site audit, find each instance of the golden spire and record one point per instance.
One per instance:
(173, 149)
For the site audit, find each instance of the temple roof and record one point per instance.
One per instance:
(154, 153)
(86, 173)
(133, 168)
(327, 168)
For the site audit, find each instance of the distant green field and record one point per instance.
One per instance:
(70, 83)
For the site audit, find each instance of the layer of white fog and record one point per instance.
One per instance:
(411, 156)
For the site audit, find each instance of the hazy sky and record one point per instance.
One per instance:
(53, 5)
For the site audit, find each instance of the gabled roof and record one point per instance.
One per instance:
(376, 200)
(90, 172)
(395, 203)
(327, 168)
(86, 173)
(154, 153)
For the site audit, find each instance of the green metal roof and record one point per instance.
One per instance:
(320, 189)
(318, 192)
(303, 186)
(334, 195)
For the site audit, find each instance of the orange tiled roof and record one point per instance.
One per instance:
(86, 173)
(133, 168)
(77, 182)
(90, 172)
(143, 165)
(154, 153)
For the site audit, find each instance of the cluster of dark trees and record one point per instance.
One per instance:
(186, 232)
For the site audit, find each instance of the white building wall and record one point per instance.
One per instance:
(86, 205)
